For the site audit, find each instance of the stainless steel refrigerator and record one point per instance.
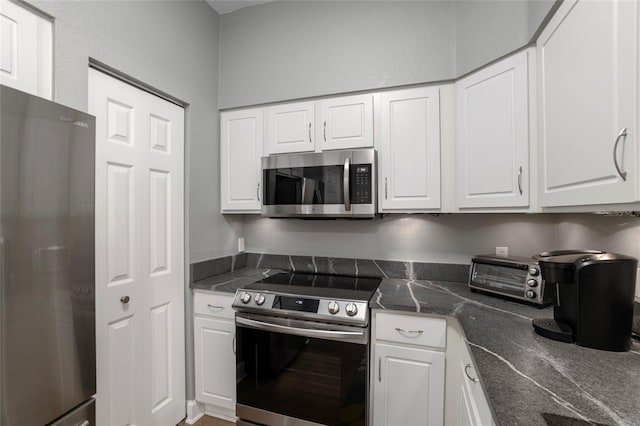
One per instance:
(47, 345)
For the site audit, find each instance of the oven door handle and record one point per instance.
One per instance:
(308, 332)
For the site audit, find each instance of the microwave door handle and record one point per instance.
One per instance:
(345, 185)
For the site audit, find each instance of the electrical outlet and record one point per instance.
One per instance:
(241, 244)
(502, 251)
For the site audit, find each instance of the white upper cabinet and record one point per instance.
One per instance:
(492, 138)
(409, 150)
(290, 127)
(346, 122)
(588, 73)
(26, 52)
(240, 169)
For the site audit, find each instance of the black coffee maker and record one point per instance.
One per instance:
(593, 295)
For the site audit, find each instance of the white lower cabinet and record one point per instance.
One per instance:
(408, 377)
(473, 408)
(410, 386)
(214, 349)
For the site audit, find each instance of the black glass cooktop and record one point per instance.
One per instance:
(318, 285)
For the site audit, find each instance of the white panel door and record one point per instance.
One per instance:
(139, 254)
(290, 127)
(346, 122)
(587, 59)
(240, 168)
(409, 389)
(409, 155)
(215, 361)
(26, 41)
(493, 135)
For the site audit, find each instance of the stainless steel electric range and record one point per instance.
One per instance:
(302, 349)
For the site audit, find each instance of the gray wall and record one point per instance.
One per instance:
(487, 30)
(172, 46)
(288, 50)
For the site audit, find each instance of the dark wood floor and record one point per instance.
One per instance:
(209, 421)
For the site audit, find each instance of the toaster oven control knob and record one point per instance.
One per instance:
(533, 272)
(532, 283)
(245, 297)
(333, 307)
(531, 294)
(260, 299)
(351, 309)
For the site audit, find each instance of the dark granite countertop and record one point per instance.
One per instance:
(529, 380)
(231, 281)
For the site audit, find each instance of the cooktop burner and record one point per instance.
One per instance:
(335, 298)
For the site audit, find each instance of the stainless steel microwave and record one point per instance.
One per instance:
(327, 184)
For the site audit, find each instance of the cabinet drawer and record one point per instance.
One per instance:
(411, 329)
(213, 304)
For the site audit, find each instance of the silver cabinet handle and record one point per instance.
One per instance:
(324, 130)
(261, 325)
(309, 132)
(379, 369)
(345, 184)
(233, 344)
(215, 308)
(403, 331)
(466, 371)
(385, 188)
(258, 191)
(124, 300)
(520, 180)
(623, 133)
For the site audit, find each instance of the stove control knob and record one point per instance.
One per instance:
(533, 272)
(532, 283)
(351, 309)
(333, 307)
(245, 297)
(260, 299)
(531, 294)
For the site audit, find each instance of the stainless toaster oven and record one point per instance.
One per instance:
(510, 276)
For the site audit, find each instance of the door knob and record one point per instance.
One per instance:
(124, 299)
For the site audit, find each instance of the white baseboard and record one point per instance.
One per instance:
(195, 411)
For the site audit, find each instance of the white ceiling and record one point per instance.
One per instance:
(228, 6)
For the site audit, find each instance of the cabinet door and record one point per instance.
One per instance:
(26, 51)
(346, 122)
(240, 151)
(290, 127)
(408, 387)
(409, 153)
(587, 74)
(473, 409)
(493, 135)
(215, 362)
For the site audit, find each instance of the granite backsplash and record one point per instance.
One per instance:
(344, 266)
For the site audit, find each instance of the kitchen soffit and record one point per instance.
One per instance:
(228, 6)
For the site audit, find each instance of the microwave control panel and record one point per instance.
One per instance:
(361, 184)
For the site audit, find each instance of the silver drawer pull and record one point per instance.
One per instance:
(403, 331)
(466, 371)
(216, 308)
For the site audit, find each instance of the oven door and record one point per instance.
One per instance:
(295, 372)
(327, 184)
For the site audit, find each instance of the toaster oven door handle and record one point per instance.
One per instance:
(345, 184)
(308, 332)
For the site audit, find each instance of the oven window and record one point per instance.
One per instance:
(318, 380)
